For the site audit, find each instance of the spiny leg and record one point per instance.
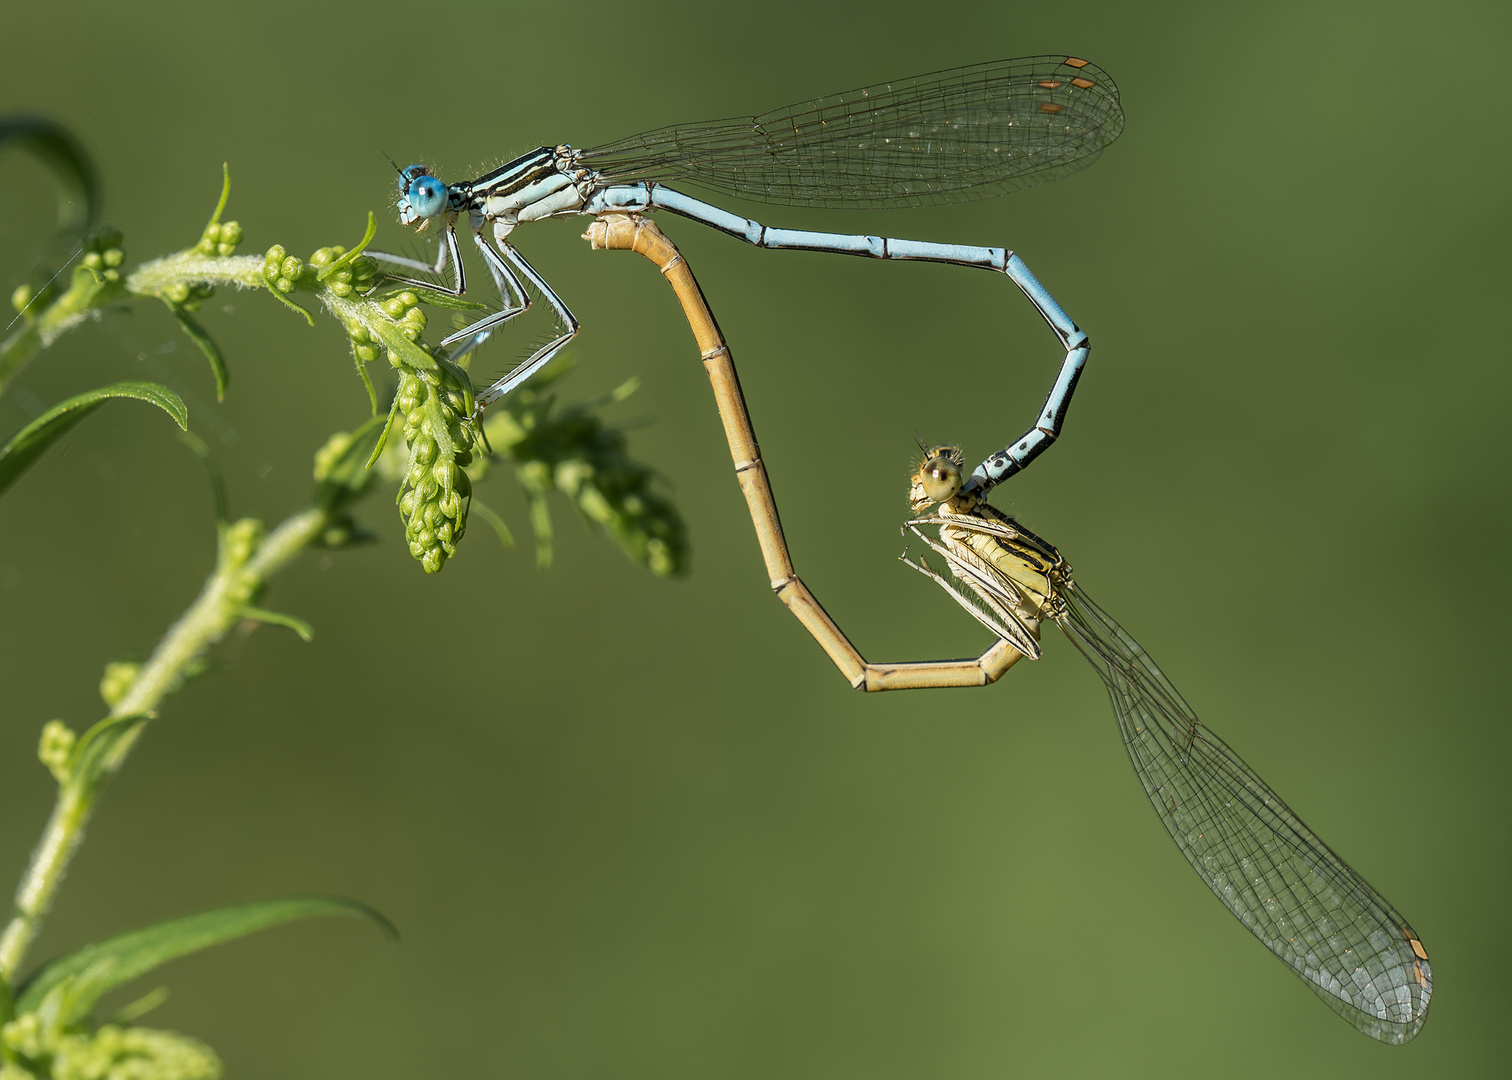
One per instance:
(448, 250)
(538, 359)
(991, 590)
(511, 294)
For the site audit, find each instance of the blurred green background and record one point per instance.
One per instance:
(634, 828)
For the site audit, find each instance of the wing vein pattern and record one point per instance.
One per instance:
(949, 136)
(1269, 869)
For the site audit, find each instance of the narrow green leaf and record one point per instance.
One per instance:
(225, 195)
(278, 618)
(625, 389)
(89, 759)
(383, 436)
(367, 381)
(28, 444)
(540, 523)
(437, 298)
(140, 1007)
(351, 256)
(201, 337)
(136, 952)
(61, 152)
(282, 299)
(487, 514)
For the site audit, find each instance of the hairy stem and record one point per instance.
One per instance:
(220, 605)
(191, 268)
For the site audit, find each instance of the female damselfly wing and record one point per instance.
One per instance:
(1273, 873)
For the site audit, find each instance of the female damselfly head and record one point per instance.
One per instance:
(938, 478)
(422, 195)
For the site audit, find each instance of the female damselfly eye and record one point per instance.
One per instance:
(940, 476)
(426, 195)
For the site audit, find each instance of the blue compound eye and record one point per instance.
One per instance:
(407, 177)
(427, 196)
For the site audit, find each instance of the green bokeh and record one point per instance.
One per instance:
(642, 829)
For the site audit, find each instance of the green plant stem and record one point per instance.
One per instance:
(154, 278)
(218, 608)
(190, 268)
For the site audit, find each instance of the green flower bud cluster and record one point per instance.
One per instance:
(330, 455)
(56, 744)
(403, 308)
(239, 541)
(103, 253)
(356, 276)
(589, 462)
(111, 1053)
(286, 272)
(102, 259)
(436, 493)
(219, 238)
(118, 678)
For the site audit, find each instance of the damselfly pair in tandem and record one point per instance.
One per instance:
(952, 136)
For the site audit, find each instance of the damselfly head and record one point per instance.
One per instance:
(422, 195)
(938, 478)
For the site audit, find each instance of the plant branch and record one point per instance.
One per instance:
(246, 561)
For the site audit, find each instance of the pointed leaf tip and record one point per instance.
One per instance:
(28, 444)
(120, 959)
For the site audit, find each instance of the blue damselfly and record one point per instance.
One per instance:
(951, 136)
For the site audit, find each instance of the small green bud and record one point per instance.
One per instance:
(329, 454)
(366, 353)
(55, 746)
(23, 295)
(93, 260)
(593, 503)
(338, 534)
(241, 540)
(242, 588)
(24, 1035)
(659, 558)
(117, 680)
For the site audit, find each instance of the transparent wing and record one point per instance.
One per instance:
(949, 136)
(1305, 903)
